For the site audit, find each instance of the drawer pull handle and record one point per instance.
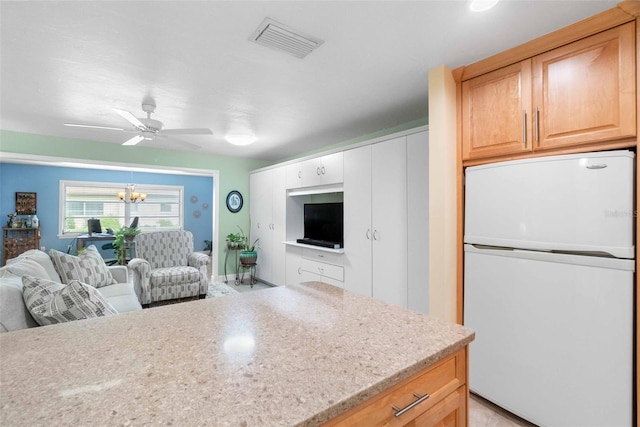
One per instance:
(401, 412)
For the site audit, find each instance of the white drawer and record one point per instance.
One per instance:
(323, 269)
(323, 256)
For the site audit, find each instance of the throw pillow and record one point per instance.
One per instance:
(50, 302)
(26, 266)
(41, 258)
(88, 267)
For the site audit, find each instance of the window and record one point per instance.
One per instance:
(82, 200)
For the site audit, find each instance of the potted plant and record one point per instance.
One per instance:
(122, 235)
(233, 240)
(249, 253)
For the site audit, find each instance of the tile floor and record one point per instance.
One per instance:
(485, 414)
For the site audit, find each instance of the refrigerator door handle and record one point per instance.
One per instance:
(597, 166)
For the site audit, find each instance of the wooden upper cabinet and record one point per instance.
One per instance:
(578, 94)
(585, 91)
(495, 110)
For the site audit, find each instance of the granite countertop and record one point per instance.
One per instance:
(287, 356)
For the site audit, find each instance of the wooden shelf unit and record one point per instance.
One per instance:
(18, 240)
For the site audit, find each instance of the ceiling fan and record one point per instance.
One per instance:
(147, 128)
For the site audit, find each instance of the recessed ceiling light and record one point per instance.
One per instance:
(241, 139)
(481, 5)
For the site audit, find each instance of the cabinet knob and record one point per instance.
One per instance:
(368, 234)
(300, 174)
(322, 169)
(375, 234)
(318, 171)
(299, 270)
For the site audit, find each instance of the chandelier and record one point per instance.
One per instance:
(130, 195)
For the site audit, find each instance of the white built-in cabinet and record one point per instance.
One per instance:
(323, 170)
(375, 221)
(385, 195)
(418, 222)
(268, 223)
(293, 175)
(307, 265)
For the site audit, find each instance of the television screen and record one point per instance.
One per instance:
(324, 221)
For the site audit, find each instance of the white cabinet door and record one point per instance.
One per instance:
(418, 221)
(278, 226)
(261, 213)
(332, 168)
(312, 172)
(293, 175)
(323, 170)
(268, 223)
(389, 212)
(357, 220)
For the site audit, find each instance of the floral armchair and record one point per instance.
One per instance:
(166, 267)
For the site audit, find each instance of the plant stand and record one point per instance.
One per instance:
(252, 274)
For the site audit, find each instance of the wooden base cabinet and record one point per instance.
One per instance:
(444, 383)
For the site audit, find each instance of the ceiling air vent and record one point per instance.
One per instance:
(277, 36)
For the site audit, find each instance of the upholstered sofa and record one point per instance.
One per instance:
(38, 266)
(166, 267)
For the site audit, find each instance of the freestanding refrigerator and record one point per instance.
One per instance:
(549, 287)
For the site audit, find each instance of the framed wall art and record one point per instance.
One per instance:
(26, 203)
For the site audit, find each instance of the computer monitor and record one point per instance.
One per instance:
(94, 226)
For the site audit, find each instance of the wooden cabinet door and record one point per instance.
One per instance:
(495, 110)
(585, 91)
(449, 412)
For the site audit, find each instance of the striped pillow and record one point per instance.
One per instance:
(50, 302)
(88, 267)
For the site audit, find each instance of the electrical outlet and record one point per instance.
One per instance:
(42, 248)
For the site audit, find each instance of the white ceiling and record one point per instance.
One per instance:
(74, 61)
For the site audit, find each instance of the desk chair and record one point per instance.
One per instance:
(110, 261)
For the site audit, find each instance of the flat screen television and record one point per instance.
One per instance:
(324, 224)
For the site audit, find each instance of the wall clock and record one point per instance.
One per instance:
(234, 201)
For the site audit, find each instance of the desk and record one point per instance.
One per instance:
(83, 239)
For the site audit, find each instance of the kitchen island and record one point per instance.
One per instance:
(288, 356)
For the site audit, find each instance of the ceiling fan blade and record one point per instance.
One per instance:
(131, 118)
(93, 126)
(134, 140)
(192, 131)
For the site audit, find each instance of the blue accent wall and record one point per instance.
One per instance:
(45, 181)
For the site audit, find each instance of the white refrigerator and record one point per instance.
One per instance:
(549, 287)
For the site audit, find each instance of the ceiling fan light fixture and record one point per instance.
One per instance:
(241, 139)
(481, 5)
